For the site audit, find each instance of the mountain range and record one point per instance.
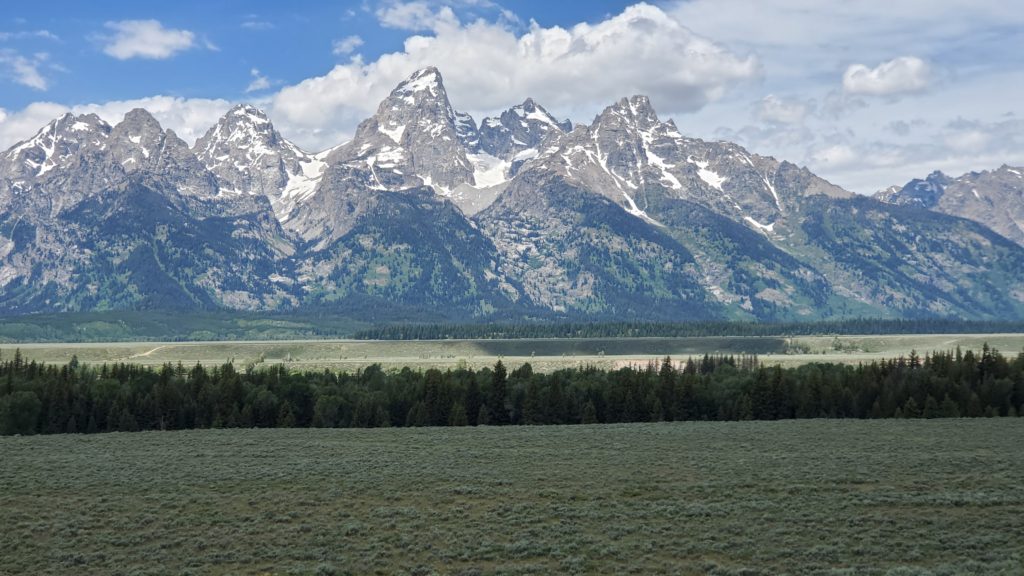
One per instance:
(428, 214)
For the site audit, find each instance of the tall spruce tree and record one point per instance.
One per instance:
(499, 395)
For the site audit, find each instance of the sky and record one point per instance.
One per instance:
(866, 93)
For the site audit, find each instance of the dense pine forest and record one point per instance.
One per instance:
(875, 326)
(73, 398)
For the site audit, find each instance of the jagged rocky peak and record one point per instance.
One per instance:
(635, 110)
(140, 145)
(424, 82)
(520, 128)
(530, 110)
(138, 140)
(413, 139)
(141, 128)
(631, 125)
(994, 198)
(631, 156)
(420, 103)
(925, 193)
(888, 195)
(628, 137)
(53, 145)
(469, 134)
(243, 124)
(249, 157)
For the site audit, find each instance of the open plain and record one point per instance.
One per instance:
(545, 354)
(827, 497)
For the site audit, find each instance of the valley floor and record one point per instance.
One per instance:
(923, 497)
(544, 354)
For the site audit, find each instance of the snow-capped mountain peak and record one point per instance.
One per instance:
(520, 128)
(424, 80)
(141, 128)
(413, 139)
(52, 145)
(249, 157)
(243, 129)
(635, 110)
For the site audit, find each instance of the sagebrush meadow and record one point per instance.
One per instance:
(921, 497)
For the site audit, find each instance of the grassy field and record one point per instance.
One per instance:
(922, 497)
(544, 354)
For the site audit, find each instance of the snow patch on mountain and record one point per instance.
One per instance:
(771, 188)
(759, 226)
(542, 117)
(647, 137)
(710, 177)
(488, 170)
(394, 133)
(300, 187)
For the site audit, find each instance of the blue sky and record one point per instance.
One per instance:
(286, 42)
(867, 94)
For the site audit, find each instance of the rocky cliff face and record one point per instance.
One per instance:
(426, 214)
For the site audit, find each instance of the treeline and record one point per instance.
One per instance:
(48, 399)
(683, 329)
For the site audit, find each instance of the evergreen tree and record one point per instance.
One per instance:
(285, 416)
(744, 408)
(531, 411)
(19, 413)
(911, 409)
(473, 401)
(657, 414)
(498, 396)
(949, 408)
(126, 422)
(457, 415)
(483, 417)
(382, 418)
(762, 397)
(417, 415)
(974, 409)
(589, 415)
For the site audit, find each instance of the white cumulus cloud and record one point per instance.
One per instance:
(190, 118)
(22, 124)
(898, 76)
(487, 66)
(346, 45)
(416, 16)
(145, 39)
(24, 70)
(259, 81)
(777, 110)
